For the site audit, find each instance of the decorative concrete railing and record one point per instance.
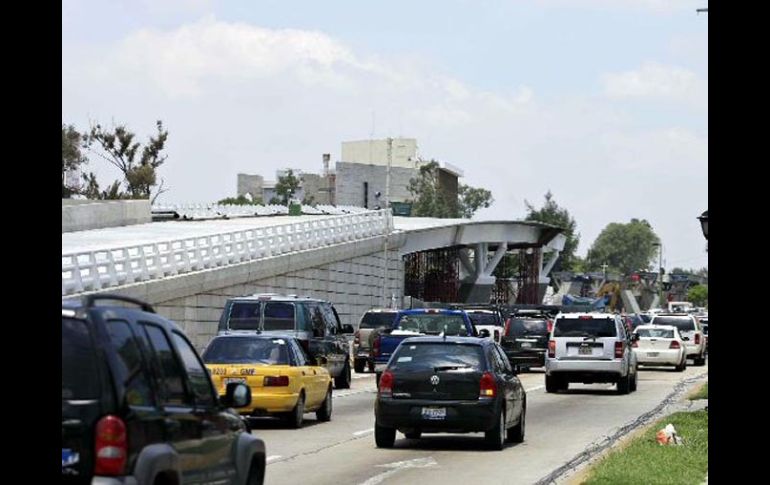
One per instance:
(94, 270)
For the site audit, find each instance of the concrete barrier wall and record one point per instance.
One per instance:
(80, 215)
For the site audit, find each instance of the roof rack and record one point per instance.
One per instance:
(90, 301)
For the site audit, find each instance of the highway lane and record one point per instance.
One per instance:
(559, 427)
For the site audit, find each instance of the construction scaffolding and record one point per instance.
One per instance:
(433, 275)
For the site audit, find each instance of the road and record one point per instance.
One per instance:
(559, 427)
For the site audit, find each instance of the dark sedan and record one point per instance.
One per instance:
(450, 385)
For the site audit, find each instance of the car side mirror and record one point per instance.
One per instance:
(237, 395)
(484, 333)
(347, 328)
(685, 338)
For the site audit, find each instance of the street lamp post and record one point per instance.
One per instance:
(660, 272)
(704, 224)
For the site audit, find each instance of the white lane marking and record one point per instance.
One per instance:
(353, 392)
(398, 466)
(534, 388)
(272, 458)
(359, 433)
(362, 376)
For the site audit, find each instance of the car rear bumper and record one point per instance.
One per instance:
(586, 370)
(663, 357)
(130, 480)
(534, 357)
(461, 416)
(695, 350)
(263, 404)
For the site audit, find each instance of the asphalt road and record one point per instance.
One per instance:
(559, 427)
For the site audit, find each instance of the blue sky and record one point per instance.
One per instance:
(604, 102)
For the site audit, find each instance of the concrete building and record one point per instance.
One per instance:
(375, 152)
(319, 187)
(252, 185)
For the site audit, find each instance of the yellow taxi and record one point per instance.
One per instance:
(282, 379)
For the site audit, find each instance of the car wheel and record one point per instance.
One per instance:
(632, 386)
(371, 367)
(516, 434)
(699, 361)
(624, 385)
(256, 472)
(413, 435)
(377, 379)
(682, 366)
(384, 437)
(495, 437)
(359, 365)
(325, 412)
(342, 381)
(552, 384)
(296, 416)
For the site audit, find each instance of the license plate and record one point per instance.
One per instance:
(653, 354)
(585, 351)
(229, 380)
(433, 413)
(526, 345)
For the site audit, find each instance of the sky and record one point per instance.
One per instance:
(602, 102)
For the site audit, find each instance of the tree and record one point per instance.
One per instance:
(286, 187)
(625, 248)
(240, 200)
(430, 200)
(698, 295)
(71, 156)
(552, 214)
(137, 163)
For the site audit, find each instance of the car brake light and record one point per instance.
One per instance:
(552, 348)
(507, 326)
(386, 384)
(697, 339)
(376, 346)
(618, 350)
(111, 446)
(585, 317)
(488, 387)
(279, 381)
(550, 326)
(357, 337)
(674, 345)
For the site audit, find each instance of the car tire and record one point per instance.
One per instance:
(632, 386)
(413, 435)
(256, 474)
(682, 366)
(298, 413)
(384, 437)
(377, 379)
(371, 367)
(624, 384)
(324, 413)
(516, 434)
(359, 366)
(699, 361)
(342, 381)
(553, 384)
(495, 437)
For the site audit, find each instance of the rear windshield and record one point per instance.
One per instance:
(279, 316)
(434, 324)
(377, 320)
(655, 332)
(247, 350)
(437, 355)
(483, 318)
(682, 323)
(584, 327)
(245, 315)
(527, 326)
(79, 379)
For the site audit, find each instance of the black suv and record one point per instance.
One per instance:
(138, 406)
(525, 338)
(315, 324)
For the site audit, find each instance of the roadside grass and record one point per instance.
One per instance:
(644, 461)
(702, 393)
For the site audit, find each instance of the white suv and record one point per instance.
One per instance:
(692, 334)
(589, 348)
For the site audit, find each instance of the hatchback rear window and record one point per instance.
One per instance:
(437, 355)
(682, 323)
(527, 326)
(247, 350)
(279, 316)
(655, 332)
(245, 315)
(79, 378)
(377, 320)
(584, 327)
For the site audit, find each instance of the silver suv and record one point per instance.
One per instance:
(691, 331)
(589, 348)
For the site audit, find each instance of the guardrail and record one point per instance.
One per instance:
(94, 270)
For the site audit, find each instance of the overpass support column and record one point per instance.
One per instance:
(477, 284)
(545, 268)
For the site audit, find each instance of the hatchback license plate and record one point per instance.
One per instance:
(433, 413)
(585, 351)
(229, 380)
(526, 345)
(652, 354)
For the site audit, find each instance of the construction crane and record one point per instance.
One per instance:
(611, 288)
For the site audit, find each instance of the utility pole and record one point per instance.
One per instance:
(388, 215)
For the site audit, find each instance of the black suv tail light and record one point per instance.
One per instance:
(111, 446)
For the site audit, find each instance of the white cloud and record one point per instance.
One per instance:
(656, 6)
(656, 81)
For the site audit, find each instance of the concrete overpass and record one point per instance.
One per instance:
(188, 269)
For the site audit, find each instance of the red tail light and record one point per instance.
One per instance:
(376, 346)
(357, 337)
(111, 446)
(619, 350)
(386, 384)
(273, 381)
(507, 326)
(697, 339)
(488, 387)
(674, 345)
(550, 326)
(552, 348)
